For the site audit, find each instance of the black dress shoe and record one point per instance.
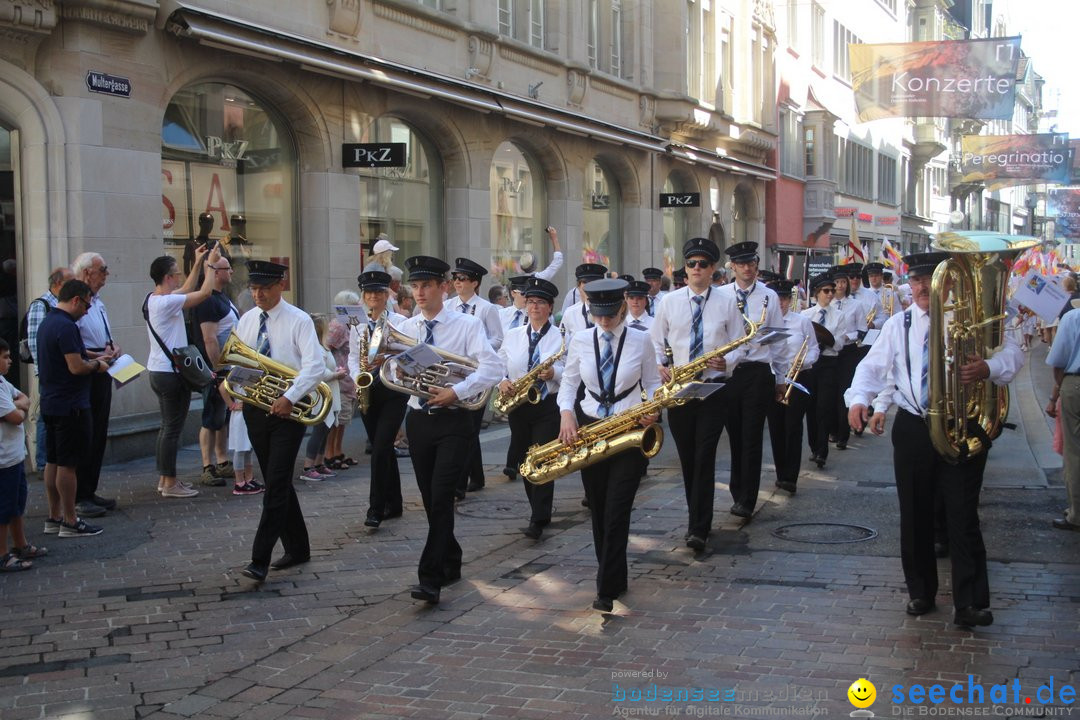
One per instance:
(941, 549)
(255, 572)
(288, 560)
(391, 514)
(459, 494)
(842, 445)
(372, 520)
(603, 604)
(1063, 524)
(584, 502)
(740, 510)
(510, 472)
(695, 543)
(425, 593)
(785, 485)
(820, 462)
(919, 606)
(973, 616)
(474, 486)
(107, 503)
(534, 531)
(857, 433)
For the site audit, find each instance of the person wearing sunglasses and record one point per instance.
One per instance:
(692, 321)
(822, 411)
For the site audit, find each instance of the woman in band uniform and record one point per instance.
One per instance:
(822, 411)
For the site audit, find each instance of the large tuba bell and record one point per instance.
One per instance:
(274, 381)
(967, 302)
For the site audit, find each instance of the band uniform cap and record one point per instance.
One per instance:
(853, 269)
(627, 278)
(469, 267)
(382, 245)
(264, 272)
(701, 246)
(875, 267)
(781, 287)
(606, 296)
(589, 271)
(924, 263)
(518, 283)
(639, 288)
(425, 267)
(679, 274)
(651, 273)
(718, 275)
(887, 273)
(821, 280)
(742, 252)
(373, 280)
(768, 276)
(541, 288)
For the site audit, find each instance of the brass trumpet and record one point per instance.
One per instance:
(275, 381)
(794, 370)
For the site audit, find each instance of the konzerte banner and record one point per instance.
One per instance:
(1064, 207)
(1002, 160)
(950, 78)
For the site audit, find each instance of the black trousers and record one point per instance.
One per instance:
(786, 433)
(276, 442)
(534, 425)
(439, 446)
(821, 413)
(750, 392)
(920, 474)
(610, 487)
(381, 422)
(473, 468)
(88, 473)
(696, 428)
(848, 360)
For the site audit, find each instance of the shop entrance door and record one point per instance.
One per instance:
(9, 277)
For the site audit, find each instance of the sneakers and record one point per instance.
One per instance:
(86, 508)
(107, 503)
(325, 471)
(247, 488)
(210, 477)
(79, 529)
(52, 525)
(225, 470)
(179, 490)
(311, 475)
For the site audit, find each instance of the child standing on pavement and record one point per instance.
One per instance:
(314, 468)
(13, 408)
(240, 445)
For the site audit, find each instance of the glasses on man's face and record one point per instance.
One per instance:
(828, 291)
(227, 268)
(104, 269)
(462, 278)
(698, 263)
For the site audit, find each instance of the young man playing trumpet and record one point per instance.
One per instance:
(386, 408)
(523, 349)
(440, 432)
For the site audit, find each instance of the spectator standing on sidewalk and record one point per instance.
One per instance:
(1064, 358)
(64, 371)
(216, 317)
(39, 307)
(97, 337)
(337, 339)
(13, 408)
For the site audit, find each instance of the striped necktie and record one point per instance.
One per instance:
(637, 325)
(652, 307)
(264, 334)
(607, 370)
(821, 318)
(697, 337)
(924, 383)
(464, 307)
(517, 318)
(534, 360)
(430, 339)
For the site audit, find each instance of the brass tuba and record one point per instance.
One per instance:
(275, 381)
(967, 302)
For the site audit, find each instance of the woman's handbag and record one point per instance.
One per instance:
(188, 361)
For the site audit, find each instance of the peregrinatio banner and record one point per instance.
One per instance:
(1064, 207)
(1000, 160)
(948, 78)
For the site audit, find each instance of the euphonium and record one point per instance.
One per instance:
(364, 378)
(525, 388)
(794, 370)
(967, 301)
(275, 381)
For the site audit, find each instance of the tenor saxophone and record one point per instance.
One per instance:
(525, 389)
(364, 378)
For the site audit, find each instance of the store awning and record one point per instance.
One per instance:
(242, 36)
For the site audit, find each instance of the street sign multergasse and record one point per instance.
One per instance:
(100, 82)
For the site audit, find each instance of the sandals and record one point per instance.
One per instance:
(11, 563)
(29, 552)
(335, 464)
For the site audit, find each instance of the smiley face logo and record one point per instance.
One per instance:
(862, 694)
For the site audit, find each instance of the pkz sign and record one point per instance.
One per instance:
(108, 84)
(676, 200)
(373, 155)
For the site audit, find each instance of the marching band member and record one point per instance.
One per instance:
(896, 371)
(849, 356)
(279, 330)
(440, 434)
(387, 407)
(887, 297)
(576, 317)
(755, 381)
(678, 278)
(639, 306)
(613, 363)
(514, 315)
(654, 277)
(785, 421)
(822, 413)
(523, 349)
(867, 297)
(692, 321)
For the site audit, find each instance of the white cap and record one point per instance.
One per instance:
(382, 245)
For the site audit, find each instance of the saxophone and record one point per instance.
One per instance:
(364, 378)
(681, 375)
(794, 370)
(525, 388)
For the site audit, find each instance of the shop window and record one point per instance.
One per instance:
(228, 171)
(601, 235)
(741, 227)
(676, 225)
(518, 209)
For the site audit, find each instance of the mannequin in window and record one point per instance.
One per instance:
(239, 250)
(206, 224)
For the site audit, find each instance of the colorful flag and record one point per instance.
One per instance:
(892, 257)
(855, 251)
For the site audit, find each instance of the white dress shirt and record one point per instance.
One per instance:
(637, 367)
(576, 318)
(94, 326)
(888, 375)
(721, 323)
(507, 316)
(799, 328)
(485, 312)
(356, 334)
(755, 301)
(293, 342)
(870, 299)
(855, 315)
(460, 334)
(645, 321)
(551, 270)
(515, 353)
(836, 322)
(572, 298)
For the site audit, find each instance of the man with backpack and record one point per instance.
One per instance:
(35, 314)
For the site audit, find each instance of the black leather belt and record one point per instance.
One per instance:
(441, 411)
(752, 364)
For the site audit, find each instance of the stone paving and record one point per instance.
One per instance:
(151, 619)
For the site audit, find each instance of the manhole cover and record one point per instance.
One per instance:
(829, 533)
(495, 509)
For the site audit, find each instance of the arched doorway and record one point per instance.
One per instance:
(518, 203)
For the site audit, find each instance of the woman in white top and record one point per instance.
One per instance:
(822, 379)
(165, 314)
(614, 363)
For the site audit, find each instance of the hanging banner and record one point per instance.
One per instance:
(1064, 206)
(1001, 160)
(949, 78)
